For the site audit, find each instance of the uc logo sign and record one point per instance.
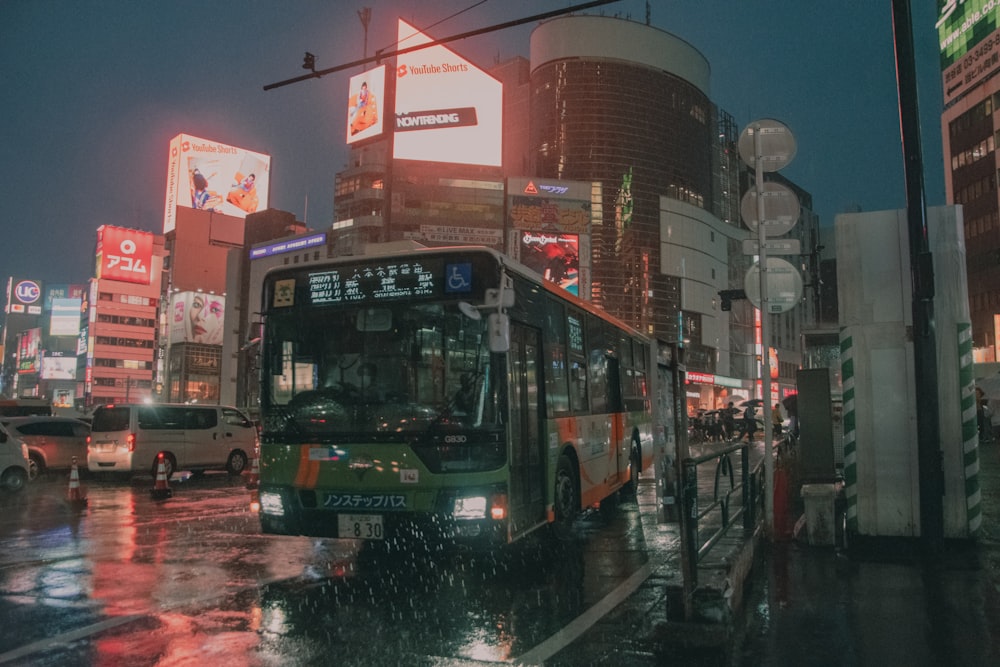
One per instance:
(27, 291)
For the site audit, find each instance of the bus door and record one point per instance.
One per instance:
(527, 445)
(617, 439)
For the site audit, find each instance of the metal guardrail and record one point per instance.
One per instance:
(749, 489)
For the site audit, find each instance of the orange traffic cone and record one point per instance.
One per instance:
(75, 496)
(161, 490)
(253, 479)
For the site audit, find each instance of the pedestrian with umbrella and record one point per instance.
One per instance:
(749, 424)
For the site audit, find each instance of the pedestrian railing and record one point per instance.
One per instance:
(721, 514)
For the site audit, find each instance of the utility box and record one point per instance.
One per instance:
(881, 472)
(820, 511)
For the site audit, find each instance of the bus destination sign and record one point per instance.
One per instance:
(378, 282)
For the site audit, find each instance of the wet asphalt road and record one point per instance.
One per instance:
(190, 580)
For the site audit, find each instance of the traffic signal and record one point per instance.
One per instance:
(309, 62)
(730, 295)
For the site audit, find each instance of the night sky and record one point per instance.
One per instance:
(93, 90)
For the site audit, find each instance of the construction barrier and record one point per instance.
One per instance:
(75, 495)
(161, 489)
(253, 479)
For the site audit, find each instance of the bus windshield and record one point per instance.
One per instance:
(350, 371)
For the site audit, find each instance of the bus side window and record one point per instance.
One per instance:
(614, 385)
(577, 386)
(598, 382)
(556, 390)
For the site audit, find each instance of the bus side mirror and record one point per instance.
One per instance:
(499, 332)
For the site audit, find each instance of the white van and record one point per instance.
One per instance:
(129, 438)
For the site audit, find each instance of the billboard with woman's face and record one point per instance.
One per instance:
(196, 317)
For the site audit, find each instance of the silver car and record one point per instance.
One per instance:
(52, 442)
(13, 462)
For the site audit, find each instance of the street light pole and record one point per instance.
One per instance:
(765, 332)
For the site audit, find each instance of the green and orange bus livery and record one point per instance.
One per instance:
(443, 394)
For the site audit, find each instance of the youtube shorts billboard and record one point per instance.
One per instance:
(211, 176)
(447, 109)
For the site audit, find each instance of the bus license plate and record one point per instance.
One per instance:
(360, 526)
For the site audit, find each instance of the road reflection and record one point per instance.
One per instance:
(132, 581)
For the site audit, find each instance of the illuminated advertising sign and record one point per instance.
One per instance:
(211, 176)
(447, 109)
(366, 105)
(29, 351)
(65, 317)
(292, 245)
(969, 42)
(562, 206)
(555, 256)
(58, 368)
(694, 377)
(62, 292)
(196, 317)
(24, 297)
(124, 254)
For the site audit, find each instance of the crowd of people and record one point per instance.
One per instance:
(739, 424)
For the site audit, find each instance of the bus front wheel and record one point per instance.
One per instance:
(566, 501)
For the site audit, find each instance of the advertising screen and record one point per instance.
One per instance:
(555, 256)
(447, 109)
(969, 40)
(366, 105)
(29, 351)
(65, 318)
(196, 317)
(24, 296)
(124, 254)
(212, 176)
(58, 368)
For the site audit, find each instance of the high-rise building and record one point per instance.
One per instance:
(614, 118)
(120, 315)
(970, 126)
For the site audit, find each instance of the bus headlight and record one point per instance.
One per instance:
(471, 507)
(270, 503)
(481, 507)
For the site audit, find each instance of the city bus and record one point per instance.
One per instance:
(443, 394)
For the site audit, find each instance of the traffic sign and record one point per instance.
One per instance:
(781, 208)
(784, 286)
(777, 145)
(773, 247)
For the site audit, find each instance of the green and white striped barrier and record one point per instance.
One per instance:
(970, 429)
(850, 432)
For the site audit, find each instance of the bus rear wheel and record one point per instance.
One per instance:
(566, 503)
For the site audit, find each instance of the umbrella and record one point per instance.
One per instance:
(752, 403)
(791, 403)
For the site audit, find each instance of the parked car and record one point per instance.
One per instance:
(52, 442)
(13, 462)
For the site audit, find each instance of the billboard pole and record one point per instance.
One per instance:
(929, 456)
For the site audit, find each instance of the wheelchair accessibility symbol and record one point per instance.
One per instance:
(459, 278)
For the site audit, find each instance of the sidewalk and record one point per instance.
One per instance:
(820, 606)
(881, 606)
